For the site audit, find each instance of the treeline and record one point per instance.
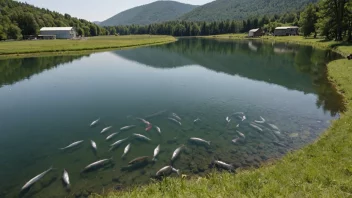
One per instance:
(185, 28)
(20, 19)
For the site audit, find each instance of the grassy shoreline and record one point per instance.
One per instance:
(322, 169)
(22, 49)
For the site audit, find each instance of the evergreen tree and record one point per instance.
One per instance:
(308, 19)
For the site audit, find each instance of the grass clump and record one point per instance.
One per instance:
(322, 169)
(37, 47)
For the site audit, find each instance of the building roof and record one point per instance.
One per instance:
(56, 28)
(253, 30)
(284, 28)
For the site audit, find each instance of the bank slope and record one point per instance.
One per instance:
(156, 12)
(242, 9)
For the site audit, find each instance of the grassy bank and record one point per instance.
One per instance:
(52, 47)
(322, 169)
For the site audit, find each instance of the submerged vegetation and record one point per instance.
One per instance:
(322, 169)
(94, 43)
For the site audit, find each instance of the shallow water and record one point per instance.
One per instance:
(48, 103)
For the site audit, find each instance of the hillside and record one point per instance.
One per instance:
(155, 12)
(242, 9)
(18, 19)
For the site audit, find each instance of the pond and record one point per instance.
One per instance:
(254, 101)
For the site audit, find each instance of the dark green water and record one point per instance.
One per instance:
(48, 103)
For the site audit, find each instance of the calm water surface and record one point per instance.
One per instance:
(48, 103)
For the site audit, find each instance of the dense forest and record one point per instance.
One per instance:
(20, 19)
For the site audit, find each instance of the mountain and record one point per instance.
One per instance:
(242, 9)
(96, 22)
(159, 11)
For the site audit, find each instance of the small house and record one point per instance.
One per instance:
(58, 32)
(286, 31)
(255, 32)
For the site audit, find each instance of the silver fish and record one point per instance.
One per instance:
(36, 178)
(243, 118)
(241, 134)
(95, 122)
(94, 145)
(256, 127)
(235, 140)
(125, 128)
(72, 145)
(166, 170)
(97, 163)
(155, 114)
(117, 143)
(238, 113)
(176, 121)
(66, 178)
(199, 140)
(106, 129)
(144, 121)
(238, 125)
(224, 165)
(127, 148)
(196, 120)
(141, 136)
(176, 116)
(156, 152)
(158, 129)
(228, 120)
(274, 127)
(177, 152)
(261, 121)
(111, 136)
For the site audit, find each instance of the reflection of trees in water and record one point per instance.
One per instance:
(14, 70)
(274, 61)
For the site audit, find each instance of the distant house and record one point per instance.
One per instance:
(57, 32)
(255, 32)
(286, 31)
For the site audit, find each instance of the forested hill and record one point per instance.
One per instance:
(242, 9)
(159, 11)
(17, 19)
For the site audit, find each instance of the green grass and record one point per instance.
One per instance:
(39, 47)
(322, 169)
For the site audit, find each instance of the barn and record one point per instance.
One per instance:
(286, 31)
(255, 32)
(58, 32)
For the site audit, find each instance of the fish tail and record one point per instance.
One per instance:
(154, 159)
(177, 171)
(123, 155)
(111, 158)
(208, 143)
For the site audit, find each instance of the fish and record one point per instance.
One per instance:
(243, 118)
(175, 121)
(238, 125)
(95, 122)
(155, 114)
(141, 136)
(274, 127)
(158, 129)
(261, 121)
(200, 140)
(144, 121)
(127, 148)
(96, 164)
(177, 152)
(66, 178)
(241, 134)
(117, 143)
(149, 127)
(94, 145)
(125, 128)
(280, 144)
(196, 120)
(138, 160)
(156, 152)
(36, 178)
(228, 120)
(72, 145)
(166, 170)
(235, 140)
(238, 113)
(176, 116)
(111, 136)
(224, 165)
(106, 129)
(256, 127)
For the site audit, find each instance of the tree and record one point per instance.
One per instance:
(14, 32)
(3, 34)
(93, 30)
(308, 19)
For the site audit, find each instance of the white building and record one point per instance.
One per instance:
(58, 32)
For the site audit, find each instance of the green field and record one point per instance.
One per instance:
(50, 47)
(323, 169)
